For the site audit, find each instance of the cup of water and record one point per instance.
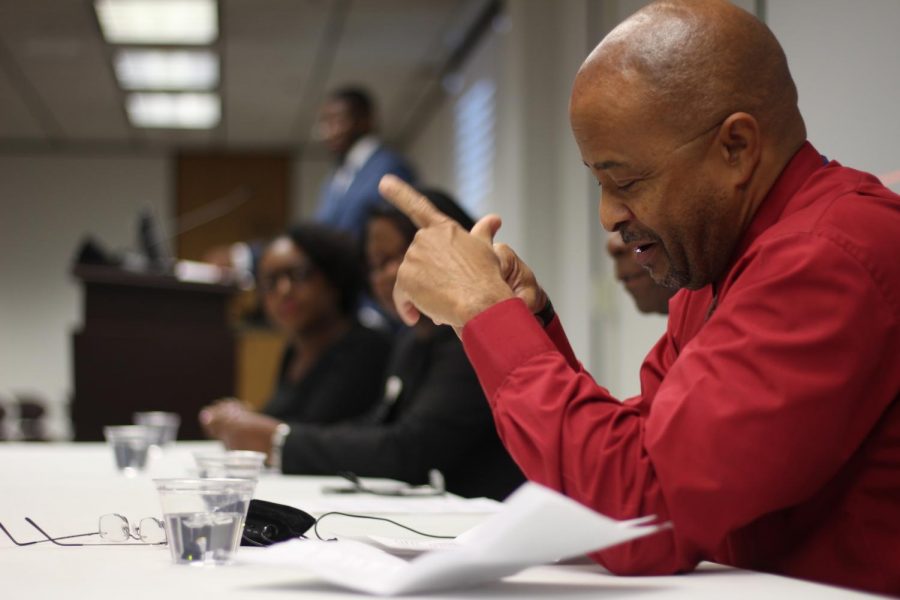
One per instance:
(164, 425)
(130, 444)
(204, 518)
(240, 464)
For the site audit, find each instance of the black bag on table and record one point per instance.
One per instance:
(268, 523)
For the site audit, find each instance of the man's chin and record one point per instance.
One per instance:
(659, 276)
(668, 278)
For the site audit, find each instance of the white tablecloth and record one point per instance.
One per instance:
(66, 487)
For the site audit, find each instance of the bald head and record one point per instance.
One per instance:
(686, 114)
(690, 64)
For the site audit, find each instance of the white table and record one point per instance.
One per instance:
(65, 487)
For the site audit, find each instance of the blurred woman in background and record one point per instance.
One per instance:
(332, 368)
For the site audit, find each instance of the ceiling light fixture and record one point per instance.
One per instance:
(158, 21)
(167, 69)
(174, 111)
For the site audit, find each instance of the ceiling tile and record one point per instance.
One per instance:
(277, 64)
(17, 122)
(269, 55)
(58, 48)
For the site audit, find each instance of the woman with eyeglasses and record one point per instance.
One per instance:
(309, 282)
(431, 413)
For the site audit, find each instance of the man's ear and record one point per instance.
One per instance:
(740, 146)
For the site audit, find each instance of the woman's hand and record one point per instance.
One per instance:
(238, 427)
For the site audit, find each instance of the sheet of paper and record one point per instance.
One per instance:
(534, 526)
(407, 546)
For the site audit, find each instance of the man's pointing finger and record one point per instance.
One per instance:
(410, 202)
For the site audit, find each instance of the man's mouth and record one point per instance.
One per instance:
(635, 281)
(643, 254)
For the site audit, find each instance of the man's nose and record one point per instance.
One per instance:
(283, 284)
(613, 213)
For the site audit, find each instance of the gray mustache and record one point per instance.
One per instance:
(639, 238)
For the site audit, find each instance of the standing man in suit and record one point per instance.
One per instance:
(347, 125)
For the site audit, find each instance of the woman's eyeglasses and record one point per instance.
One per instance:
(114, 529)
(268, 282)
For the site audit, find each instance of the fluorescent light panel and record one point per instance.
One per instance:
(158, 21)
(174, 111)
(167, 69)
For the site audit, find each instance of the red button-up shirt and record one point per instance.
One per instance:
(768, 425)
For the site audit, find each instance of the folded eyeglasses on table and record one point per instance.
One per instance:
(266, 523)
(113, 529)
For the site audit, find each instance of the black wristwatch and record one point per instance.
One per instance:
(546, 314)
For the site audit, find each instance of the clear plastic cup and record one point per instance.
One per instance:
(129, 444)
(241, 464)
(204, 518)
(164, 425)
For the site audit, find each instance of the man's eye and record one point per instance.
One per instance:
(623, 187)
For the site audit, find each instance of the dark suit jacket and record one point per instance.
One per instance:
(439, 419)
(348, 211)
(328, 393)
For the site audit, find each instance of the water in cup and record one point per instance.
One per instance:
(204, 518)
(163, 424)
(204, 537)
(240, 464)
(130, 444)
(131, 455)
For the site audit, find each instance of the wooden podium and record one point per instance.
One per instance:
(149, 342)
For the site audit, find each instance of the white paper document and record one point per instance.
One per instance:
(534, 526)
(407, 546)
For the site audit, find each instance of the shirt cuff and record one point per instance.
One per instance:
(500, 339)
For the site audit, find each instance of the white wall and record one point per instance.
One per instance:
(845, 58)
(47, 203)
(432, 149)
(539, 185)
(307, 176)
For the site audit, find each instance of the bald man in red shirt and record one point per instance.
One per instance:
(768, 425)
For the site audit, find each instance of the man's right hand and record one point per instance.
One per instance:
(452, 276)
(520, 278)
